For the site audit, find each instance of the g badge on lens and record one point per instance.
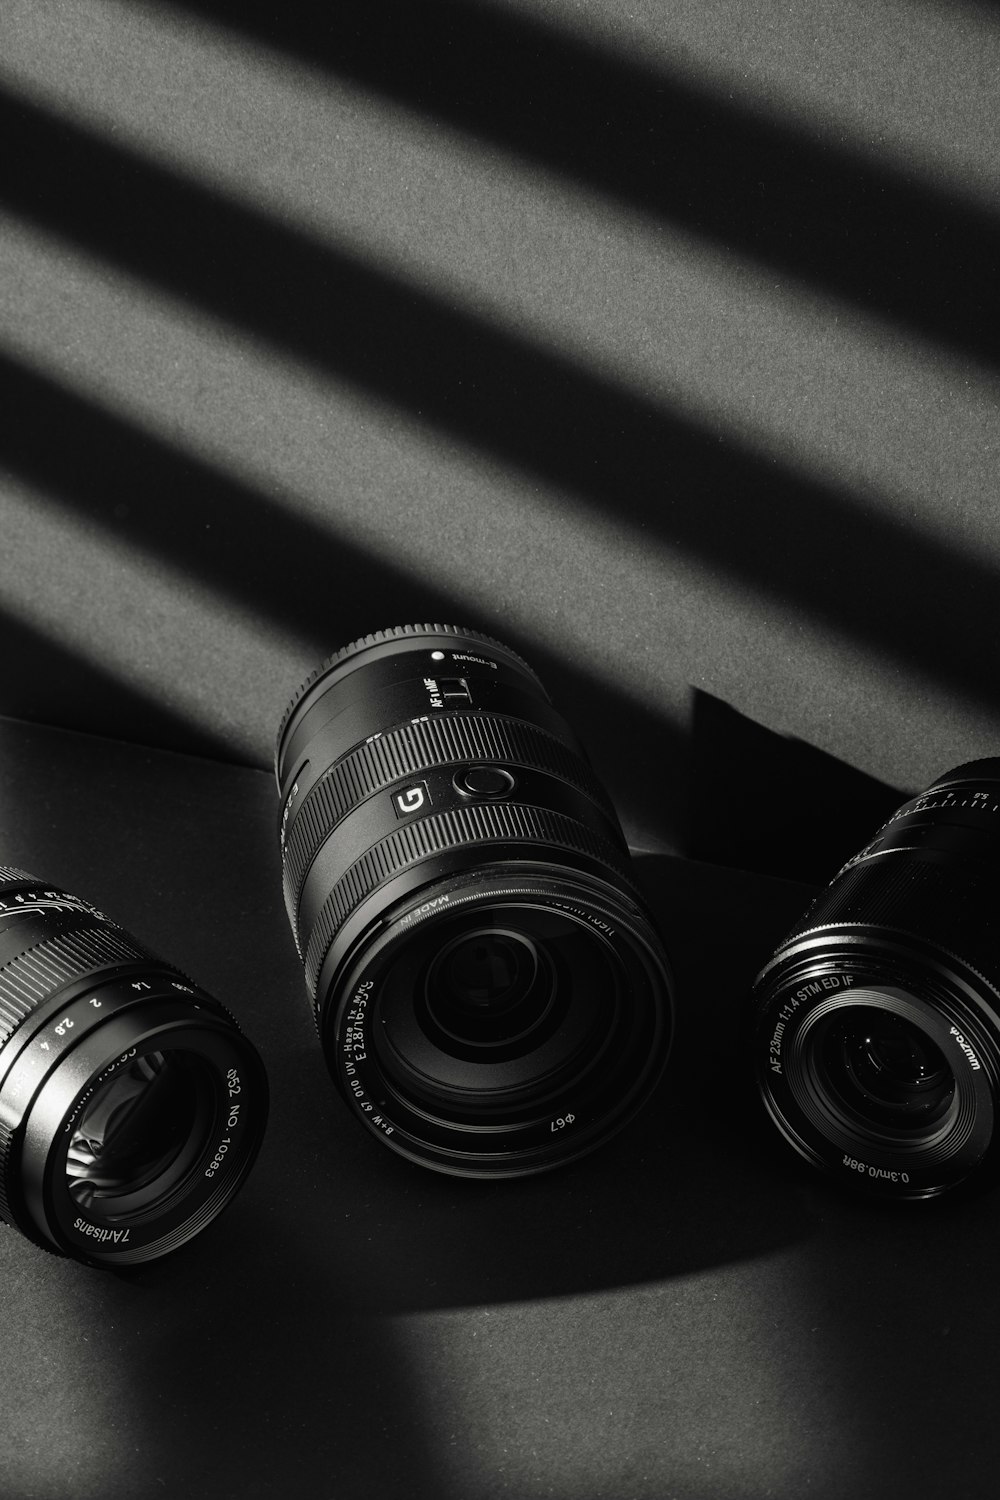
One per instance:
(488, 988)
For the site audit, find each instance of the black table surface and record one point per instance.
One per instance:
(686, 1313)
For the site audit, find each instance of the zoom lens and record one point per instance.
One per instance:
(488, 989)
(876, 1026)
(131, 1106)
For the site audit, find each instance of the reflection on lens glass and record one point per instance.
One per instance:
(488, 970)
(139, 1133)
(493, 1013)
(488, 986)
(886, 1070)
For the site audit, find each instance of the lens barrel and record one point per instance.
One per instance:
(131, 1106)
(876, 1025)
(488, 989)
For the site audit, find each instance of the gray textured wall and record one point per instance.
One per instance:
(662, 342)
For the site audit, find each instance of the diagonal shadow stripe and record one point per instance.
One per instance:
(37, 673)
(923, 256)
(264, 556)
(808, 546)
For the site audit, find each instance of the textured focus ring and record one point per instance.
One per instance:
(459, 827)
(6, 1139)
(910, 895)
(413, 748)
(32, 977)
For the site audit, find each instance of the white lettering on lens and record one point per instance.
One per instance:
(219, 1157)
(353, 1044)
(481, 661)
(97, 1232)
(883, 1173)
(287, 809)
(961, 1042)
(420, 910)
(412, 800)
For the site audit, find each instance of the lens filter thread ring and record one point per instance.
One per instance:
(484, 824)
(931, 1148)
(464, 1130)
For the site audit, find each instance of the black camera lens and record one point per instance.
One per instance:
(489, 992)
(876, 1025)
(131, 1106)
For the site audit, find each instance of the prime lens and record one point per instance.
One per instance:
(876, 1025)
(488, 989)
(131, 1106)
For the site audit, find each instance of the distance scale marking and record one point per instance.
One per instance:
(63, 1026)
(975, 802)
(47, 899)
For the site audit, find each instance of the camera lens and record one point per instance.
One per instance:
(876, 1025)
(883, 1070)
(131, 1106)
(489, 992)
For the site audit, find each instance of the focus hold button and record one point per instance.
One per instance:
(484, 781)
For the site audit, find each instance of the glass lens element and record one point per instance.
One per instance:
(885, 1071)
(138, 1135)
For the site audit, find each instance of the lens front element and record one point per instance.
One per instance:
(487, 987)
(885, 1072)
(139, 1136)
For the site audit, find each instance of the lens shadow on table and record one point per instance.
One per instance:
(292, 1312)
